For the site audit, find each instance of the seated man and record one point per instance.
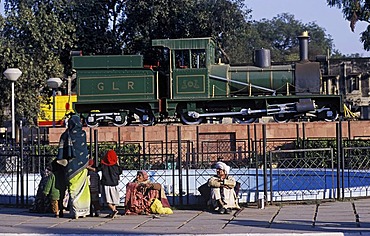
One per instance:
(223, 197)
(141, 194)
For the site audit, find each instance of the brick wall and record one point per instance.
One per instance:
(351, 129)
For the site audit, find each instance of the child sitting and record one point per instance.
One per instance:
(55, 185)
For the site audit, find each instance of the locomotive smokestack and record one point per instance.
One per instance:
(303, 46)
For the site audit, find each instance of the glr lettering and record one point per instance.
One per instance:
(115, 87)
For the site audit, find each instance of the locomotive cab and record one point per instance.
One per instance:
(189, 63)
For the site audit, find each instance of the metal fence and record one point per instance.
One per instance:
(301, 174)
(269, 169)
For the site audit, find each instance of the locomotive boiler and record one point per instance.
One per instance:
(196, 88)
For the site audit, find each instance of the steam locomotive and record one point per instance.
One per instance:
(196, 88)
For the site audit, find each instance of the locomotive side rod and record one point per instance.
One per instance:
(272, 109)
(245, 84)
(242, 112)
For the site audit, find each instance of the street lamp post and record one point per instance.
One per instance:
(12, 74)
(54, 83)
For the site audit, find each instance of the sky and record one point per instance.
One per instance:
(329, 18)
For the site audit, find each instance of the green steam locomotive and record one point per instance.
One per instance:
(195, 87)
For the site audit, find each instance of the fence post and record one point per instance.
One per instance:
(188, 150)
(197, 136)
(265, 163)
(179, 159)
(338, 136)
(91, 142)
(45, 136)
(271, 177)
(119, 136)
(349, 129)
(96, 146)
(38, 141)
(297, 135)
(249, 142)
(256, 161)
(144, 149)
(341, 154)
(303, 136)
(21, 157)
(14, 152)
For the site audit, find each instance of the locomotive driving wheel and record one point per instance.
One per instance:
(188, 120)
(244, 119)
(282, 118)
(147, 119)
(91, 121)
(331, 114)
(120, 120)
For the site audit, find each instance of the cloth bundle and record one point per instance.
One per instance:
(157, 208)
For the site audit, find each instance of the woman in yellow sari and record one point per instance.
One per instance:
(73, 154)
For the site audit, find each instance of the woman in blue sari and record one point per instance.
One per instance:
(73, 154)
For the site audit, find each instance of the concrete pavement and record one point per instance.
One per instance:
(326, 218)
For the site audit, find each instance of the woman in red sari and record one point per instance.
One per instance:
(140, 194)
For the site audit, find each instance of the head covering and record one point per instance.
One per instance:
(73, 152)
(223, 166)
(74, 123)
(144, 173)
(110, 158)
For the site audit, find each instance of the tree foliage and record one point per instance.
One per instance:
(35, 36)
(354, 11)
(96, 25)
(280, 36)
(224, 20)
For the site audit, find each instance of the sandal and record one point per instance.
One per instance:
(114, 214)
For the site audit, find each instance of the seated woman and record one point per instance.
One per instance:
(223, 197)
(142, 193)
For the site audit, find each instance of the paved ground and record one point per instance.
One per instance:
(328, 218)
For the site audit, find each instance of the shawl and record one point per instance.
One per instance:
(145, 175)
(72, 151)
(110, 158)
(139, 196)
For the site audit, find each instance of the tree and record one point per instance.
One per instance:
(96, 25)
(37, 37)
(224, 20)
(280, 36)
(33, 38)
(354, 11)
